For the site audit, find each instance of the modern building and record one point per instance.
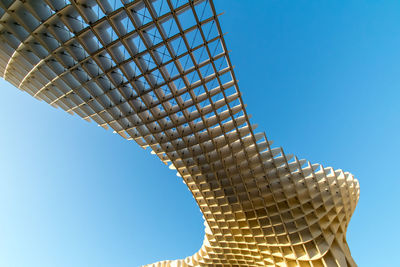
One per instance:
(158, 72)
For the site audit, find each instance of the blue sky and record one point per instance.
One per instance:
(321, 78)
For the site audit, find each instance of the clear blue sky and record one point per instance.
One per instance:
(322, 78)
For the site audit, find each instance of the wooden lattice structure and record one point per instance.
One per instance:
(158, 72)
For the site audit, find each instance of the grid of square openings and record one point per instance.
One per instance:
(158, 72)
(141, 67)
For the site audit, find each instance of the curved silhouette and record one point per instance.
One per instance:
(158, 72)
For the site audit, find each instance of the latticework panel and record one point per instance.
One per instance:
(158, 72)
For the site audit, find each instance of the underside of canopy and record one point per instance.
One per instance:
(159, 73)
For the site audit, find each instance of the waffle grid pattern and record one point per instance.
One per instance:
(159, 73)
